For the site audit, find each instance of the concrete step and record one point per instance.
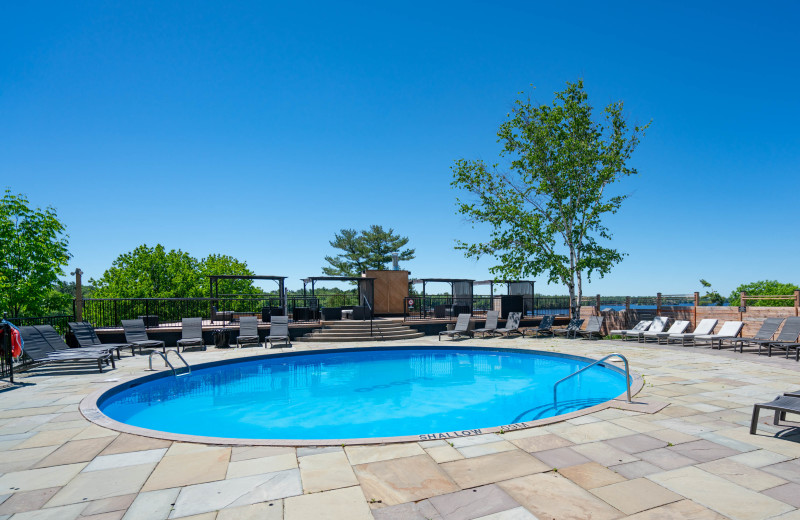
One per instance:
(339, 330)
(359, 334)
(348, 339)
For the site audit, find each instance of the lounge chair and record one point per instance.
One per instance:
(729, 330)
(136, 335)
(786, 340)
(512, 325)
(491, 324)
(639, 327)
(678, 327)
(545, 327)
(572, 328)
(703, 328)
(658, 325)
(783, 404)
(278, 331)
(248, 331)
(593, 328)
(87, 338)
(191, 333)
(40, 350)
(461, 328)
(765, 333)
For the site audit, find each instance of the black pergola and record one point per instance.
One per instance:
(366, 286)
(215, 278)
(451, 281)
(512, 286)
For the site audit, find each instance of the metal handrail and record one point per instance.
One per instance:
(370, 317)
(168, 364)
(627, 374)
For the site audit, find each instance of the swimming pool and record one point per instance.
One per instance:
(363, 393)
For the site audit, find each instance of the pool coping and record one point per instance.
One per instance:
(89, 406)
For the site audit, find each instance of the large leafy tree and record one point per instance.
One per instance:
(33, 254)
(370, 248)
(545, 210)
(154, 272)
(765, 288)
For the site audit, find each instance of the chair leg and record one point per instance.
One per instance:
(778, 415)
(754, 420)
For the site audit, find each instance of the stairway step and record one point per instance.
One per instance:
(342, 339)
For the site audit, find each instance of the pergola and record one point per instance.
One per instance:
(366, 286)
(215, 278)
(459, 287)
(523, 288)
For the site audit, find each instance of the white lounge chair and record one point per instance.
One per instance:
(678, 327)
(639, 327)
(703, 328)
(729, 330)
(658, 325)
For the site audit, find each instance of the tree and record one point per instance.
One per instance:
(225, 264)
(370, 249)
(764, 288)
(154, 272)
(545, 211)
(711, 297)
(150, 272)
(33, 254)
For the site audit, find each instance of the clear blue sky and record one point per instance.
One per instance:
(259, 130)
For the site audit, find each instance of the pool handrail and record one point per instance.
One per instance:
(627, 375)
(167, 363)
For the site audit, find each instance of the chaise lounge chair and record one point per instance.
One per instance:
(278, 331)
(572, 328)
(783, 404)
(593, 328)
(191, 334)
(765, 333)
(248, 331)
(705, 326)
(729, 330)
(40, 350)
(658, 325)
(491, 324)
(678, 327)
(512, 325)
(87, 338)
(545, 327)
(461, 328)
(136, 335)
(787, 339)
(639, 327)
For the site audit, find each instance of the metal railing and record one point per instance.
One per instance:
(598, 362)
(165, 357)
(58, 322)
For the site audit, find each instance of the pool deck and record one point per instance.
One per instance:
(692, 459)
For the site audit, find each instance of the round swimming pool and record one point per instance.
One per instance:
(360, 393)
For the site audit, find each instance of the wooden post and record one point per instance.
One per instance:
(78, 296)
(696, 305)
(597, 305)
(658, 304)
(742, 303)
(627, 310)
(797, 302)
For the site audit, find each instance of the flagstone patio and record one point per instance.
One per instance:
(693, 459)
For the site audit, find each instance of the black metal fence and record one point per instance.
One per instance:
(167, 312)
(58, 322)
(446, 307)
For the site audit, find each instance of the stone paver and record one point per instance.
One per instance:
(591, 475)
(338, 504)
(473, 503)
(689, 443)
(478, 471)
(404, 480)
(326, 471)
(719, 494)
(550, 495)
(637, 495)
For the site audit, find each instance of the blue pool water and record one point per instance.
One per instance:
(363, 393)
